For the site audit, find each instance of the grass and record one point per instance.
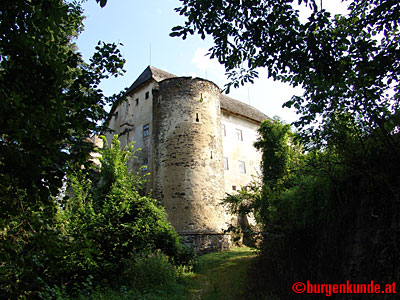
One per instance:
(220, 275)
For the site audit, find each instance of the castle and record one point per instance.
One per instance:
(197, 145)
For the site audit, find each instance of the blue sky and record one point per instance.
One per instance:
(139, 24)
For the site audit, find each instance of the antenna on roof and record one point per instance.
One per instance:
(150, 55)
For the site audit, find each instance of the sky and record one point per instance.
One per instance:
(143, 27)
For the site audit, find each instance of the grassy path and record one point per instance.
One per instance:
(220, 275)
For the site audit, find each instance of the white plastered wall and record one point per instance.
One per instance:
(236, 150)
(132, 116)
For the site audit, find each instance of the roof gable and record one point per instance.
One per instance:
(227, 103)
(149, 73)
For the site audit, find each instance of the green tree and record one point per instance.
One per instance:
(281, 158)
(109, 223)
(348, 67)
(345, 63)
(276, 144)
(50, 104)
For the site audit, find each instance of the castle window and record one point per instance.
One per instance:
(242, 167)
(145, 164)
(147, 95)
(116, 115)
(239, 134)
(146, 130)
(223, 130)
(197, 118)
(234, 187)
(226, 165)
(137, 101)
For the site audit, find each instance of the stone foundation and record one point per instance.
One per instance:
(203, 243)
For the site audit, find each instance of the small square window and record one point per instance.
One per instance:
(239, 134)
(147, 95)
(242, 167)
(146, 130)
(234, 187)
(145, 164)
(226, 165)
(223, 130)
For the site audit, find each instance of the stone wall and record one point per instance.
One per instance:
(187, 152)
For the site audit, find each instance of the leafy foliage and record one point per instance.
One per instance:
(346, 64)
(319, 208)
(50, 104)
(146, 277)
(277, 144)
(102, 2)
(151, 271)
(110, 223)
(326, 215)
(280, 159)
(245, 203)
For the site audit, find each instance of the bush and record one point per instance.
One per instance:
(109, 222)
(144, 277)
(328, 215)
(150, 271)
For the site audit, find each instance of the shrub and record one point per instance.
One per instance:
(110, 222)
(150, 271)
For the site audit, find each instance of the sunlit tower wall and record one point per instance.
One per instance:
(188, 171)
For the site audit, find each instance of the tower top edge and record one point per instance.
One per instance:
(190, 78)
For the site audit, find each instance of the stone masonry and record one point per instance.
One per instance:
(181, 124)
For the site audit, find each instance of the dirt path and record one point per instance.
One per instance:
(220, 275)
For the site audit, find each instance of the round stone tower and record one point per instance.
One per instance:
(188, 172)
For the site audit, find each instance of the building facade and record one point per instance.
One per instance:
(197, 145)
